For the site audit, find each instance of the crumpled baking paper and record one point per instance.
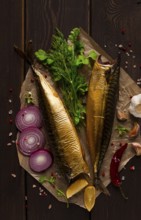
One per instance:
(128, 88)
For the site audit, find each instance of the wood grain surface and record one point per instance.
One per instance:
(112, 24)
(12, 187)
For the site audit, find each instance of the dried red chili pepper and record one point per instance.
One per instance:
(114, 167)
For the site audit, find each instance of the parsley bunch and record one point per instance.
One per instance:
(64, 60)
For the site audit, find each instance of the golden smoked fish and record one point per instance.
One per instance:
(96, 100)
(67, 147)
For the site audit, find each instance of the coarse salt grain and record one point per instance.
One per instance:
(10, 112)
(50, 206)
(10, 100)
(123, 178)
(9, 144)
(13, 175)
(34, 186)
(120, 45)
(40, 189)
(10, 134)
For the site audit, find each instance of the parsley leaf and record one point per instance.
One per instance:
(64, 60)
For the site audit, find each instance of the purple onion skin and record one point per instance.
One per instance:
(40, 160)
(30, 140)
(29, 116)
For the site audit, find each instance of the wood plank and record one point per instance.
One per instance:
(115, 23)
(42, 18)
(12, 197)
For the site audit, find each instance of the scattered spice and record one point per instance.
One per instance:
(122, 48)
(123, 178)
(10, 134)
(50, 206)
(129, 44)
(52, 181)
(127, 54)
(32, 80)
(10, 112)
(103, 174)
(10, 90)
(132, 168)
(13, 175)
(123, 31)
(10, 121)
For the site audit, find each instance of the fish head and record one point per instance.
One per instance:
(104, 63)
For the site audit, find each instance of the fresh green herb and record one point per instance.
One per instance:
(64, 60)
(52, 181)
(60, 193)
(29, 98)
(121, 130)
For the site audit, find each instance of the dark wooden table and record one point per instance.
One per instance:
(110, 23)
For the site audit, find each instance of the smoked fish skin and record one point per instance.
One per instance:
(95, 109)
(67, 147)
(110, 109)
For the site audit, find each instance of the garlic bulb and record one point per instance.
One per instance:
(135, 106)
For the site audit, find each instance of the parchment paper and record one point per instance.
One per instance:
(128, 88)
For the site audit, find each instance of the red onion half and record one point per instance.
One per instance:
(30, 140)
(29, 116)
(40, 160)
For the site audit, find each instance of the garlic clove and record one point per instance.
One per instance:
(137, 147)
(121, 115)
(133, 133)
(135, 106)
